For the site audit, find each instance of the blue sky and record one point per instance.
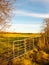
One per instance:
(29, 15)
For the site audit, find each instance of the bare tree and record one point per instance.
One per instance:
(44, 40)
(47, 27)
(47, 32)
(45, 35)
(6, 7)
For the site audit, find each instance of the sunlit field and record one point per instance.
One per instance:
(7, 34)
(21, 48)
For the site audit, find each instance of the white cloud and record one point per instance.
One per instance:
(25, 28)
(22, 13)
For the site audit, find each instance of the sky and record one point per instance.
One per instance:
(29, 16)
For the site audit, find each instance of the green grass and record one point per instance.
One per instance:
(6, 45)
(6, 39)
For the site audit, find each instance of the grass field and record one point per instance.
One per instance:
(7, 34)
(6, 44)
(11, 47)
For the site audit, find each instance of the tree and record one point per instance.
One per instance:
(47, 27)
(6, 6)
(45, 35)
(43, 43)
